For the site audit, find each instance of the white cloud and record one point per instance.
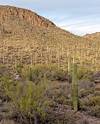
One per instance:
(81, 29)
(82, 25)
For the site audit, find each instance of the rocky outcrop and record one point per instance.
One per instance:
(11, 13)
(22, 22)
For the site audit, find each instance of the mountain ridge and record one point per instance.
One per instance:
(22, 41)
(93, 36)
(22, 22)
(30, 16)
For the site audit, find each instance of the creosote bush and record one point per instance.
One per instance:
(92, 106)
(84, 73)
(95, 111)
(38, 72)
(29, 100)
(86, 92)
(95, 101)
(19, 68)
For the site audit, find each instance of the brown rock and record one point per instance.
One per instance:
(20, 21)
(8, 12)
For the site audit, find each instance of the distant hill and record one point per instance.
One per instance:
(15, 20)
(26, 37)
(93, 36)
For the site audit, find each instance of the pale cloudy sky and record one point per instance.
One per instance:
(77, 16)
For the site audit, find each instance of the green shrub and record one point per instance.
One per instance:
(28, 100)
(86, 92)
(4, 71)
(38, 72)
(95, 111)
(63, 100)
(90, 104)
(19, 68)
(84, 73)
(94, 101)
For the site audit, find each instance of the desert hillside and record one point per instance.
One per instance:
(93, 36)
(47, 75)
(29, 38)
(16, 20)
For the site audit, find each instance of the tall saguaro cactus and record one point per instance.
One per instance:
(74, 87)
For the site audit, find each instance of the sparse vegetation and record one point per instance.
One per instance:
(28, 100)
(47, 75)
(38, 72)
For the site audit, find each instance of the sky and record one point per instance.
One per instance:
(77, 16)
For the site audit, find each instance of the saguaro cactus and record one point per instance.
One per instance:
(69, 65)
(74, 87)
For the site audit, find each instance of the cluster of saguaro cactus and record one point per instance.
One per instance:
(86, 53)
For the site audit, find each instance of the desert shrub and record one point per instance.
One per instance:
(38, 72)
(19, 68)
(91, 104)
(63, 100)
(84, 73)
(4, 70)
(94, 101)
(95, 111)
(59, 118)
(85, 92)
(28, 100)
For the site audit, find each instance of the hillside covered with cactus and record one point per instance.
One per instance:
(47, 75)
(31, 39)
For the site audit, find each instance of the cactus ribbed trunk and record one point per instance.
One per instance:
(69, 65)
(74, 87)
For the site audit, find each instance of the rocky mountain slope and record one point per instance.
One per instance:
(14, 20)
(26, 37)
(93, 36)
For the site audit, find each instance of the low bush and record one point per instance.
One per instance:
(94, 101)
(28, 100)
(84, 73)
(38, 72)
(85, 92)
(4, 71)
(91, 105)
(95, 111)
